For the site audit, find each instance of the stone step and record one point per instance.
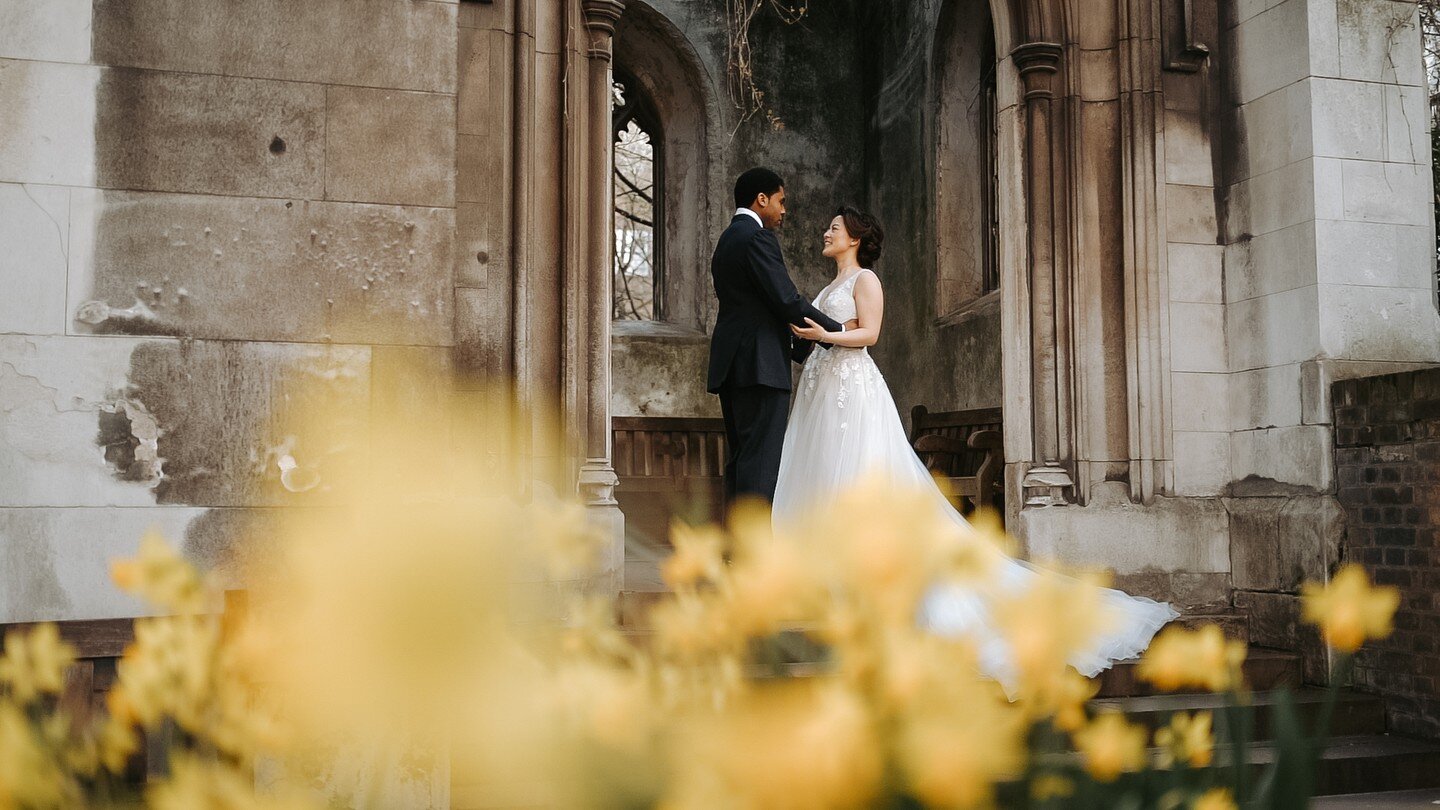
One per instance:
(1387, 800)
(1371, 763)
(1234, 625)
(1355, 713)
(1264, 669)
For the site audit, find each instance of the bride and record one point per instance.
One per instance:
(844, 426)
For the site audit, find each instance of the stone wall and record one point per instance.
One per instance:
(207, 211)
(1387, 461)
(817, 143)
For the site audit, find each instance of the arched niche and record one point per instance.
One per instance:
(966, 141)
(654, 55)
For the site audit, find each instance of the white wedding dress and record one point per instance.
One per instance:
(844, 427)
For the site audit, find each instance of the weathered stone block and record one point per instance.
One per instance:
(1281, 461)
(1201, 401)
(659, 374)
(1271, 50)
(1202, 463)
(52, 31)
(1281, 198)
(1265, 397)
(123, 422)
(1386, 192)
(1187, 149)
(1344, 115)
(49, 115)
(1271, 262)
(374, 43)
(1196, 273)
(55, 563)
(1378, 323)
(483, 104)
(1275, 622)
(1278, 543)
(35, 232)
(1277, 128)
(209, 134)
(482, 237)
(1172, 534)
(1378, 40)
(1407, 124)
(1190, 214)
(1374, 254)
(482, 333)
(1197, 337)
(388, 146)
(223, 267)
(1274, 330)
(69, 435)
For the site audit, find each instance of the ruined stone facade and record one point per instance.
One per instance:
(1152, 231)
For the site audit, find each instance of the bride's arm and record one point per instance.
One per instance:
(870, 310)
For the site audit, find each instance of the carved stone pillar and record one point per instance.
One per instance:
(597, 475)
(1048, 481)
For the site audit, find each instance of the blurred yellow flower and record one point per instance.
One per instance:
(1215, 799)
(1045, 625)
(953, 754)
(1187, 739)
(28, 777)
(34, 662)
(162, 577)
(195, 782)
(1110, 746)
(697, 556)
(781, 744)
(1049, 786)
(1203, 658)
(1349, 610)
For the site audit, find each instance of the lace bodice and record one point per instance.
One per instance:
(838, 300)
(850, 367)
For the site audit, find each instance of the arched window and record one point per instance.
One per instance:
(638, 260)
(967, 214)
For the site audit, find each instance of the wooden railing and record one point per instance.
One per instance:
(668, 467)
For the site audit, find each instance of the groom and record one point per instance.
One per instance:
(750, 348)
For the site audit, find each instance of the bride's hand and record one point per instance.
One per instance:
(814, 331)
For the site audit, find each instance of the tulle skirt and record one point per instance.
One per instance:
(844, 428)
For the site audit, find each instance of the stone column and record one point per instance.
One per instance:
(1048, 481)
(597, 475)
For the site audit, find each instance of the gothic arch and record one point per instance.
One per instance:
(651, 50)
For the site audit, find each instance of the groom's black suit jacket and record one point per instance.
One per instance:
(758, 302)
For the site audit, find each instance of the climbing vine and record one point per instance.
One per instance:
(745, 93)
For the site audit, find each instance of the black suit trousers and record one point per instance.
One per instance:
(755, 417)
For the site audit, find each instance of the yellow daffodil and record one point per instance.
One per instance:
(1187, 739)
(697, 556)
(34, 663)
(1204, 658)
(28, 777)
(1110, 746)
(162, 577)
(1051, 786)
(1349, 610)
(1215, 799)
(953, 757)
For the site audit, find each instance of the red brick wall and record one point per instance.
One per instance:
(1387, 459)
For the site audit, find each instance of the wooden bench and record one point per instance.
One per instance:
(668, 467)
(967, 449)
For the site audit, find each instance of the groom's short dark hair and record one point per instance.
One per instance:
(755, 182)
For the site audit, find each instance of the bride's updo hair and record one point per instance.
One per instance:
(866, 228)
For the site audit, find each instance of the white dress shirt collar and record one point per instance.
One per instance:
(751, 213)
